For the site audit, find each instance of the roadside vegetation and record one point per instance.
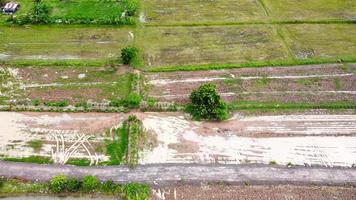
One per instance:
(109, 12)
(67, 186)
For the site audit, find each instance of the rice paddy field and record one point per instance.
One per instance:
(187, 12)
(285, 68)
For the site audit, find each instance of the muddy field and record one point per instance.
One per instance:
(227, 192)
(327, 140)
(57, 83)
(300, 139)
(300, 84)
(54, 133)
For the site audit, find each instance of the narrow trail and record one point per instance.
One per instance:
(170, 174)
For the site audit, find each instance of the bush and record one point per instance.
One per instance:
(73, 185)
(136, 191)
(39, 13)
(58, 183)
(89, 183)
(206, 103)
(128, 54)
(133, 100)
(36, 102)
(109, 186)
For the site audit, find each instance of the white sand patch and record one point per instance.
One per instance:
(229, 94)
(17, 129)
(231, 149)
(66, 84)
(168, 130)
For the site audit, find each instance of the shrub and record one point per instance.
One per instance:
(89, 183)
(36, 102)
(73, 185)
(206, 103)
(58, 183)
(133, 100)
(128, 54)
(109, 186)
(39, 13)
(136, 191)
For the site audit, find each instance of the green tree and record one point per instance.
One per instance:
(206, 103)
(136, 191)
(58, 183)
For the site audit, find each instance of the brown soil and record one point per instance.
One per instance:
(281, 192)
(297, 90)
(60, 94)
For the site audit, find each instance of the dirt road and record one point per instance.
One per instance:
(165, 174)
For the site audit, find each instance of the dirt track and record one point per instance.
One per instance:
(165, 174)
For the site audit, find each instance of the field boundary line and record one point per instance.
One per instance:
(257, 22)
(253, 64)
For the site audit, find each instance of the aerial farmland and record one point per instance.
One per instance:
(165, 99)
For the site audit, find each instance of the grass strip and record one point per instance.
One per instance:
(250, 64)
(287, 106)
(46, 63)
(266, 22)
(31, 159)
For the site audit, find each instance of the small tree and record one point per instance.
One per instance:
(128, 54)
(58, 183)
(207, 104)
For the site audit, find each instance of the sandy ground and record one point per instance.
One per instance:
(18, 129)
(327, 140)
(229, 192)
(301, 139)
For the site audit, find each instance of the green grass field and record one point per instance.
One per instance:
(62, 42)
(321, 41)
(311, 9)
(78, 12)
(190, 12)
(204, 45)
(196, 11)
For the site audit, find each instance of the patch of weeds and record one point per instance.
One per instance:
(63, 103)
(136, 191)
(263, 81)
(58, 183)
(309, 81)
(272, 162)
(289, 164)
(31, 159)
(345, 67)
(233, 81)
(78, 162)
(73, 185)
(337, 83)
(110, 187)
(35, 144)
(135, 132)
(116, 147)
(90, 183)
